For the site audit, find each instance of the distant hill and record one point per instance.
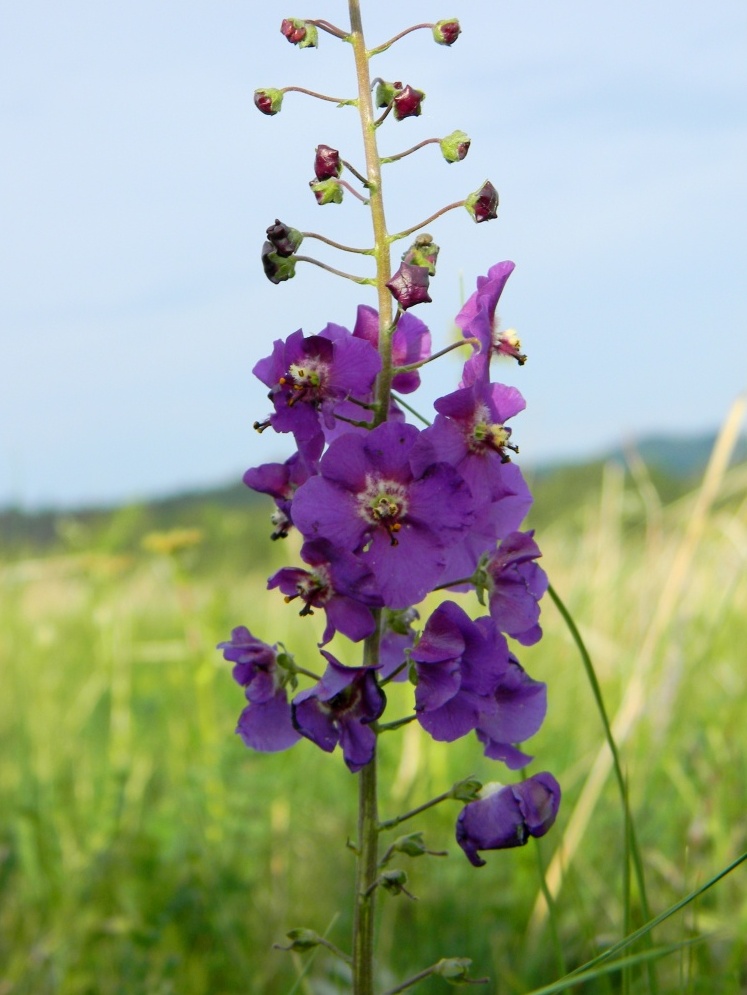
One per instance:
(235, 514)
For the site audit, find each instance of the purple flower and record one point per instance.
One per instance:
(459, 665)
(308, 377)
(397, 637)
(367, 499)
(282, 480)
(477, 319)
(516, 584)
(514, 713)
(339, 709)
(411, 343)
(265, 724)
(409, 285)
(339, 583)
(508, 816)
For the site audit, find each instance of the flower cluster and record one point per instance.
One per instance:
(389, 513)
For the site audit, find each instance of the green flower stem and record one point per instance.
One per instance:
(340, 101)
(436, 355)
(363, 280)
(397, 724)
(388, 44)
(401, 155)
(330, 28)
(337, 245)
(376, 206)
(422, 224)
(398, 819)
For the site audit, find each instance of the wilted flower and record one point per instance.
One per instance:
(284, 239)
(454, 147)
(409, 285)
(327, 162)
(327, 191)
(278, 267)
(508, 816)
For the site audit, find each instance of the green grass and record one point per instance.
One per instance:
(144, 850)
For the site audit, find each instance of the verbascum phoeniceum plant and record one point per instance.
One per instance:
(390, 511)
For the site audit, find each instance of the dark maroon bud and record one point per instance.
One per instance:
(300, 32)
(446, 32)
(277, 268)
(285, 240)
(423, 252)
(407, 102)
(483, 203)
(269, 100)
(409, 285)
(327, 163)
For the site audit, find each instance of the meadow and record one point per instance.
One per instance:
(144, 850)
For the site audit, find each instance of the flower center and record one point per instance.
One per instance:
(486, 435)
(384, 504)
(305, 380)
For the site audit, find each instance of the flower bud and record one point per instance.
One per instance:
(327, 164)
(269, 100)
(423, 252)
(483, 203)
(394, 882)
(453, 969)
(446, 32)
(300, 32)
(455, 146)
(277, 267)
(407, 102)
(467, 790)
(385, 93)
(409, 285)
(284, 240)
(301, 939)
(326, 191)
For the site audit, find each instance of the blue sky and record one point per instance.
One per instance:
(138, 180)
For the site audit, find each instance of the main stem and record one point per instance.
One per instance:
(368, 817)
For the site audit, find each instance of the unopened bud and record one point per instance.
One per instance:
(454, 971)
(269, 101)
(446, 32)
(301, 939)
(407, 103)
(386, 92)
(300, 32)
(423, 252)
(483, 203)
(409, 285)
(467, 790)
(455, 146)
(285, 240)
(277, 267)
(394, 882)
(327, 162)
(326, 191)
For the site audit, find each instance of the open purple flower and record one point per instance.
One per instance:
(282, 480)
(459, 665)
(411, 343)
(339, 583)
(508, 816)
(514, 713)
(308, 377)
(477, 319)
(265, 724)
(368, 499)
(516, 584)
(340, 709)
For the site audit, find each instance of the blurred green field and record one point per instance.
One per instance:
(144, 850)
